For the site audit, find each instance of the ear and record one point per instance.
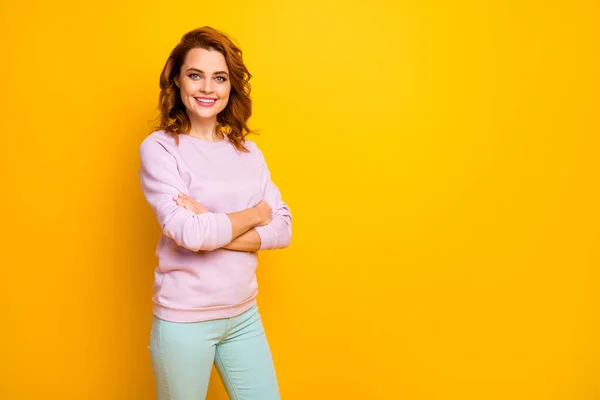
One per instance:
(176, 80)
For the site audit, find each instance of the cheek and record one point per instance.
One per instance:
(187, 87)
(225, 91)
(182, 93)
(225, 94)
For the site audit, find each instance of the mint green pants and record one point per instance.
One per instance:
(183, 354)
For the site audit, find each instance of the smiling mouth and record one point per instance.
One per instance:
(205, 100)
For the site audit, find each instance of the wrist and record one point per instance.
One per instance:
(256, 218)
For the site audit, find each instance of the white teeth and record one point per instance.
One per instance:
(205, 101)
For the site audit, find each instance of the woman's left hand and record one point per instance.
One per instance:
(190, 204)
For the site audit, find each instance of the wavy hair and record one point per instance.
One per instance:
(232, 120)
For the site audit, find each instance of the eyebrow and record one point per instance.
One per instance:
(199, 70)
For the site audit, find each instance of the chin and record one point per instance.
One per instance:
(206, 115)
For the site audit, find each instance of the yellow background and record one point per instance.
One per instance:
(440, 160)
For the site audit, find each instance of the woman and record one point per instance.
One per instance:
(217, 206)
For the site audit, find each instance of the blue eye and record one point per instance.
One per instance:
(222, 78)
(194, 76)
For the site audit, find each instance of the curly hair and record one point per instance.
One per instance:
(232, 121)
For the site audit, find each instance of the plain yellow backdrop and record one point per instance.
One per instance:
(440, 160)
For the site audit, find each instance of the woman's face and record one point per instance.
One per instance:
(204, 84)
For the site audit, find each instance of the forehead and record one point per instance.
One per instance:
(205, 60)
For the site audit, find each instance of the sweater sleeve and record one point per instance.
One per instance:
(278, 233)
(161, 182)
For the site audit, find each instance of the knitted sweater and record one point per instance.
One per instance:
(196, 279)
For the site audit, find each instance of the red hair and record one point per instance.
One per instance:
(232, 121)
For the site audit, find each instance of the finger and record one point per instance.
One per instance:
(183, 203)
(191, 205)
(187, 199)
(183, 199)
(192, 202)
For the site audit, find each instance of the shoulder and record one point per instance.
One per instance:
(157, 141)
(255, 151)
(158, 148)
(250, 145)
(253, 147)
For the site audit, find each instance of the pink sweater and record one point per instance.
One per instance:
(197, 280)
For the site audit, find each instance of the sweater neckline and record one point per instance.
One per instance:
(206, 143)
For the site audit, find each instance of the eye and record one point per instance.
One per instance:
(194, 76)
(221, 79)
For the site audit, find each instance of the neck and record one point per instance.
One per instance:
(205, 129)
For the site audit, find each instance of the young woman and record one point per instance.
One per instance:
(212, 194)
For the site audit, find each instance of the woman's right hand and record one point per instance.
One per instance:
(189, 203)
(265, 213)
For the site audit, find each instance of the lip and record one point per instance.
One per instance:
(197, 99)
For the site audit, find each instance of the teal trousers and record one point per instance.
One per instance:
(182, 356)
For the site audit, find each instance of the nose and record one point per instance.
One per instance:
(206, 86)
